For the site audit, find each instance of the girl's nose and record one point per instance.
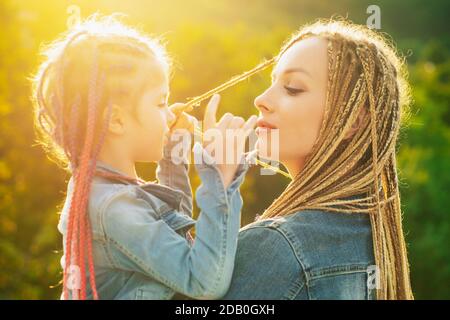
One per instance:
(170, 117)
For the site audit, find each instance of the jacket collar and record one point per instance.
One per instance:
(167, 194)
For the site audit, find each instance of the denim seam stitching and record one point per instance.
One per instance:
(333, 274)
(291, 239)
(295, 289)
(221, 266)
(142, 264)
(105, 204)
(275, 227)
(358, 268)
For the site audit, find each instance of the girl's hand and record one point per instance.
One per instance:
(183, 120)
(228, 127)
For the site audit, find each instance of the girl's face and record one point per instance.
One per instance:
(153, 118)
(294, 103)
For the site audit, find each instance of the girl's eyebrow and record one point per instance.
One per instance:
(291, 70)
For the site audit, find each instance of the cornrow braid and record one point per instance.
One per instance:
(195, 102)
(77, 212)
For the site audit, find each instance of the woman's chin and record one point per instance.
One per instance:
(264, 152)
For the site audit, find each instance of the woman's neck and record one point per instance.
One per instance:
(294, 166)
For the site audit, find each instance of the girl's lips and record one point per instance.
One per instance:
(166, 137)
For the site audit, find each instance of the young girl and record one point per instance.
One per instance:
(101, 105)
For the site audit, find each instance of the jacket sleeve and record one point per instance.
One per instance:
(173, 168)
(139, 242)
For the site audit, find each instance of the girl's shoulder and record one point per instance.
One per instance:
(105, 195)
(145, 204)
(100, 197)
(110, 203)
(153, 196)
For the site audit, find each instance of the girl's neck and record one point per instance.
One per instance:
(120, 163)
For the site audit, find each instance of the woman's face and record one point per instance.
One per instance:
(294, 103)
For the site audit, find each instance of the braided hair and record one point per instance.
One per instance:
(364, 72)
(356, 175)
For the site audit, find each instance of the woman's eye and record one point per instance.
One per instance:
(162, 105)
(293, 91)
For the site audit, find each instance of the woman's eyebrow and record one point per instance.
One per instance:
(291, 70)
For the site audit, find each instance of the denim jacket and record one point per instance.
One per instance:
(140, 246)
(307, 255)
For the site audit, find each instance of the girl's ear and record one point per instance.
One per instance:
(117, 120)
(359, 122)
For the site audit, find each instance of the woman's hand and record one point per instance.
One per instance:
(229, 129)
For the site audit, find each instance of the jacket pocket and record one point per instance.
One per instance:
(347, 282)
(154, 292)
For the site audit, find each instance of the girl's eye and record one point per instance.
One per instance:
(293, 91)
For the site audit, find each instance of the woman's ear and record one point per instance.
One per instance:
(359, 122)
(117, 120)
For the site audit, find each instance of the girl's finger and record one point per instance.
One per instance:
(177, 108)
(193, 122)
(236, 123)
(250, 124)
(209, 120)
(224, 122)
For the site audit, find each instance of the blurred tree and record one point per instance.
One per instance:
(29, 190)
(424, 161)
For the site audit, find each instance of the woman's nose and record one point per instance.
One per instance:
(262, 103)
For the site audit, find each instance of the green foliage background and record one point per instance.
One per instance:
(211, 41)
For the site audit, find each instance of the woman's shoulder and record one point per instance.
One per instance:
(312, 220)
(308, 234)
(307, 244)
(265, 238)
(266, 266)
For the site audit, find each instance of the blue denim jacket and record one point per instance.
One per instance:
(139, 232)
(307, 255)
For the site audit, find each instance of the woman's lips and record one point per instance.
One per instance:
(263, 125)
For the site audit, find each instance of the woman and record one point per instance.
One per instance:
(337, 99)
